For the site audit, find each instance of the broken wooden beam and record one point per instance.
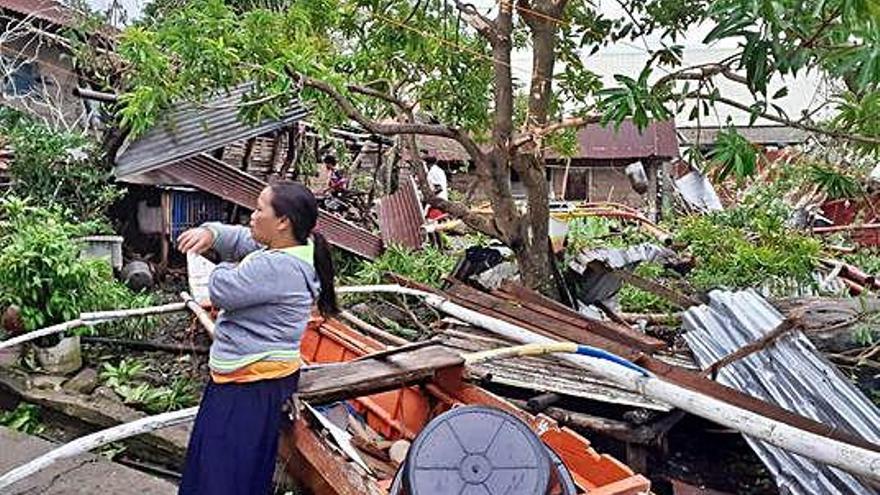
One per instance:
(340, 381)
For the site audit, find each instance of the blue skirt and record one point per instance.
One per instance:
(234, 443)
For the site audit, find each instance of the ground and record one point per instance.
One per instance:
(84, 474)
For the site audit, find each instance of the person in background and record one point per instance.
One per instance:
(438, 184)
(337, 183)
(273, 273)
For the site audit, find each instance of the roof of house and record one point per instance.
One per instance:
(224, 181)
(595, 142)
(779, 135)
(46, 10)
(196, 127)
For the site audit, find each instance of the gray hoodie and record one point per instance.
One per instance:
(266, 299)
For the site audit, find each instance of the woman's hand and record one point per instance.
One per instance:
(197, 240)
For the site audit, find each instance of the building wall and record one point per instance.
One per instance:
(596, 183)
(37, 77)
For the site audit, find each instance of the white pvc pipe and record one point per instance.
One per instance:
(89, 442)
(93, 318)
(851, 458)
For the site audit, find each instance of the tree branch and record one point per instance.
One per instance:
(791, 123)
(409, 130)
(483, 25)
(539, 133)
(390, 129)
(367, 91)
(702, 72)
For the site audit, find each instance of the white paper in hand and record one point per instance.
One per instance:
(198, 269)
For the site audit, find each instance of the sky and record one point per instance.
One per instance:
(629, 57)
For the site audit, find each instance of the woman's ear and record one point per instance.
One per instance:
(285, 225)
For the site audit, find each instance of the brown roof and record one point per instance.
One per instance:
(445, 149)
(47, 10)
(216, 177)
(595, 142)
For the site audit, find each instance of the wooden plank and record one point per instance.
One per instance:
(340, 381)
(519, 315)
(541, 374)
(617, 332)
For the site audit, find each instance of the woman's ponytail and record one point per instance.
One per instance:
(327, 303)
(296, 202)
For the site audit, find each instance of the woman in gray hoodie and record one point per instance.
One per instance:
(273, 273)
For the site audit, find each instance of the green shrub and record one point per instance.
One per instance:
(24, 418)
(428, 266)
(181, 393)
(43, 273)
(55, 167)
(747, 246)
(635, 300)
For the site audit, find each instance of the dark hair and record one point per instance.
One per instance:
(329, 160)
(296, 202)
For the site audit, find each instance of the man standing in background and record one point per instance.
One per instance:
(438, 184)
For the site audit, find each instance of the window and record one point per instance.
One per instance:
(23, 80)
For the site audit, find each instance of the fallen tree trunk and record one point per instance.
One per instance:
(830, 322)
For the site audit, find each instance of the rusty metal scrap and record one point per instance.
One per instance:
(400, 217)
(220, 179)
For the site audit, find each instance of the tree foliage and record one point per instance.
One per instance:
(57, 167)
(444, 68)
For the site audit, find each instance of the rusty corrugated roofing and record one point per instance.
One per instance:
(595, 142)
(216, 177)
(193, 128)
(400, 216)
(349, 236)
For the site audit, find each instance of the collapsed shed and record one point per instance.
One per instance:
(186, 180)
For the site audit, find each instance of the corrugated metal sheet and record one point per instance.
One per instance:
(788, 372)
(767, 134)
(400, 216)
(349, 236)
(621, 258)
(605, 143)
(195, 127)
(696, 189)
(595, 266)
(213, 176)
(545, 373)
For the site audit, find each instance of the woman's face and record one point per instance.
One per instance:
(265, 225)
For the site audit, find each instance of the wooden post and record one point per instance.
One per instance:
(166, 231)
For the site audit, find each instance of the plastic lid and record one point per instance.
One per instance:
(477, 450)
